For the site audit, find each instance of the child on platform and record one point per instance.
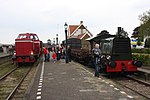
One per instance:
(54, 56)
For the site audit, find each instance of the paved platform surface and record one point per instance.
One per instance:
(144, 70)
(4, 54)
(61, 81)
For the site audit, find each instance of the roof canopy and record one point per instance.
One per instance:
(99, 37)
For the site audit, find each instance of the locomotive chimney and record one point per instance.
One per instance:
(119, 29)
(81, 22)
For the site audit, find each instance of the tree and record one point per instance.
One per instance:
(145, 24)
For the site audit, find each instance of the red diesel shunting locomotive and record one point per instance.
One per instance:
(28, 48)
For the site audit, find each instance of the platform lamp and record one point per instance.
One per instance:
(66, 27)
(56, 39)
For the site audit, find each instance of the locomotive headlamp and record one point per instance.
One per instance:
(108, 57)
(31, 52)
(112, 64)
(137, 63)
(102, 56)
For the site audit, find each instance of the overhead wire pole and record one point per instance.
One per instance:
(57, 34)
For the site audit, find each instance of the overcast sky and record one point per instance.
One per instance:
(47, 17)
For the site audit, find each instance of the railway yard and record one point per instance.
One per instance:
(73, 81)
(75, 50)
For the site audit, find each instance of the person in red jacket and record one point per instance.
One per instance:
(54, 56)
(45, 53)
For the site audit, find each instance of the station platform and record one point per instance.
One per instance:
(145, 70)
(4, 55)
(145, 73)
(71, 81)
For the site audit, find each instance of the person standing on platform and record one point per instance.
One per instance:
(54, 56)
(48, 55)
(69, 53)
(96, 52)
(51, 52)
(58, 52)
(45, 53)
(61, 51)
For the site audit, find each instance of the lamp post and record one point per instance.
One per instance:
(53, 41)
(49, 42)
(66, 27)
(56, 39)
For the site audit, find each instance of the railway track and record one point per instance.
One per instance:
(5, 59)
(10, 82)
(8, 73)
(20, 93)
(131, 82)
(139, 86)
(5, 69)
(14, 80)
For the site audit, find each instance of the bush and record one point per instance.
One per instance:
(145, 58)
(143, 50)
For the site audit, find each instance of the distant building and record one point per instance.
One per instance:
(6, 48)
(145, 42)
(80, 32)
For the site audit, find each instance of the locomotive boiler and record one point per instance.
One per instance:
(28, 48)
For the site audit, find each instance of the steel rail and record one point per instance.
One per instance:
(4, 76)
(133, 89)
(138, 80)
(14, 90)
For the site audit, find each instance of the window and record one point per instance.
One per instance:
(22, 36)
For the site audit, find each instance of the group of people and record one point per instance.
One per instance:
(49, 54)
(56, 53)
